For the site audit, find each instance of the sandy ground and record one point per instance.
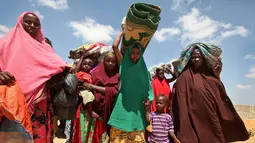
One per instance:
(250, 124)
(56, 140)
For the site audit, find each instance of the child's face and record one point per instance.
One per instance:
(160, 104)
(87, 65)
(94, 57)
(135, 55)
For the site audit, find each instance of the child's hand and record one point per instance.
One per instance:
(176, 141)
(95, 115)
(146, 105)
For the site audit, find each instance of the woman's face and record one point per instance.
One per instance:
(197, 59)
(110, 62)
(135, 55)
(31, 24)
(160, 74)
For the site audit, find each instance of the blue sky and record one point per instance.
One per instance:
(228, 23)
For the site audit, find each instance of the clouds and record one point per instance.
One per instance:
(166, 33)
(251, 72)
(55, 4)
(244, 87)
(90, 30)
(193, 26)
(178, 4)
(198, 27)
(237, 30)
(250, 56)
(3, 30)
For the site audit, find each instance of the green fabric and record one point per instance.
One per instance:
(128, 113)
(87, 126)
(142, 22)
(210, 52)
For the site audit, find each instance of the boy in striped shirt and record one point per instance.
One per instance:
(162, 123)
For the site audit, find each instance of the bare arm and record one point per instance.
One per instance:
(78, 65)
(115, 47)
(169, 80)
(147, 110)
(89, 86)
(98, 88)
(148, 116)
(176, 140)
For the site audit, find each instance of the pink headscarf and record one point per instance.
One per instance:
(30, 60)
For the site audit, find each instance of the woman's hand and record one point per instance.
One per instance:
(6, 78)
(88, 86)
(218, 68)
(95, 115)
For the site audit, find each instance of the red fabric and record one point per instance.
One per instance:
(99, 131)
(103, 103)
(159, 87)
(42, 121)
(92, 46)
(77, 132)
(84, 77)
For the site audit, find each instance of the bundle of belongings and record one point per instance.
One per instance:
(96, 53)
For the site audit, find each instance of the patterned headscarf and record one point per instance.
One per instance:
(210, 52)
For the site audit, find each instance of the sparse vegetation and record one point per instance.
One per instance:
(251, 132)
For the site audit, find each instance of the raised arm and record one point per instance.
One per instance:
(115, 47)
(147, 110)
(169, 80)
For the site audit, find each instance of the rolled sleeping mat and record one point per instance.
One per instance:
(140, 24)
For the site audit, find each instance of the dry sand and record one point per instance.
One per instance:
(250, 125)
(56, 140)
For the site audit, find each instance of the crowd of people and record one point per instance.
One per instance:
(118, 101)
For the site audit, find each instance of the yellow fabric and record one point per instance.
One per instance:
(105, 138)
(87, 96)
(119, 136)
(149, 127)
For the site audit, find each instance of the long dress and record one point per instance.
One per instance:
(128, 116)
(203, 113)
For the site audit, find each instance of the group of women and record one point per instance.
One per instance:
(121, 85)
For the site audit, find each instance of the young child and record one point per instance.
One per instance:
(162, 123)
(84, 76)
